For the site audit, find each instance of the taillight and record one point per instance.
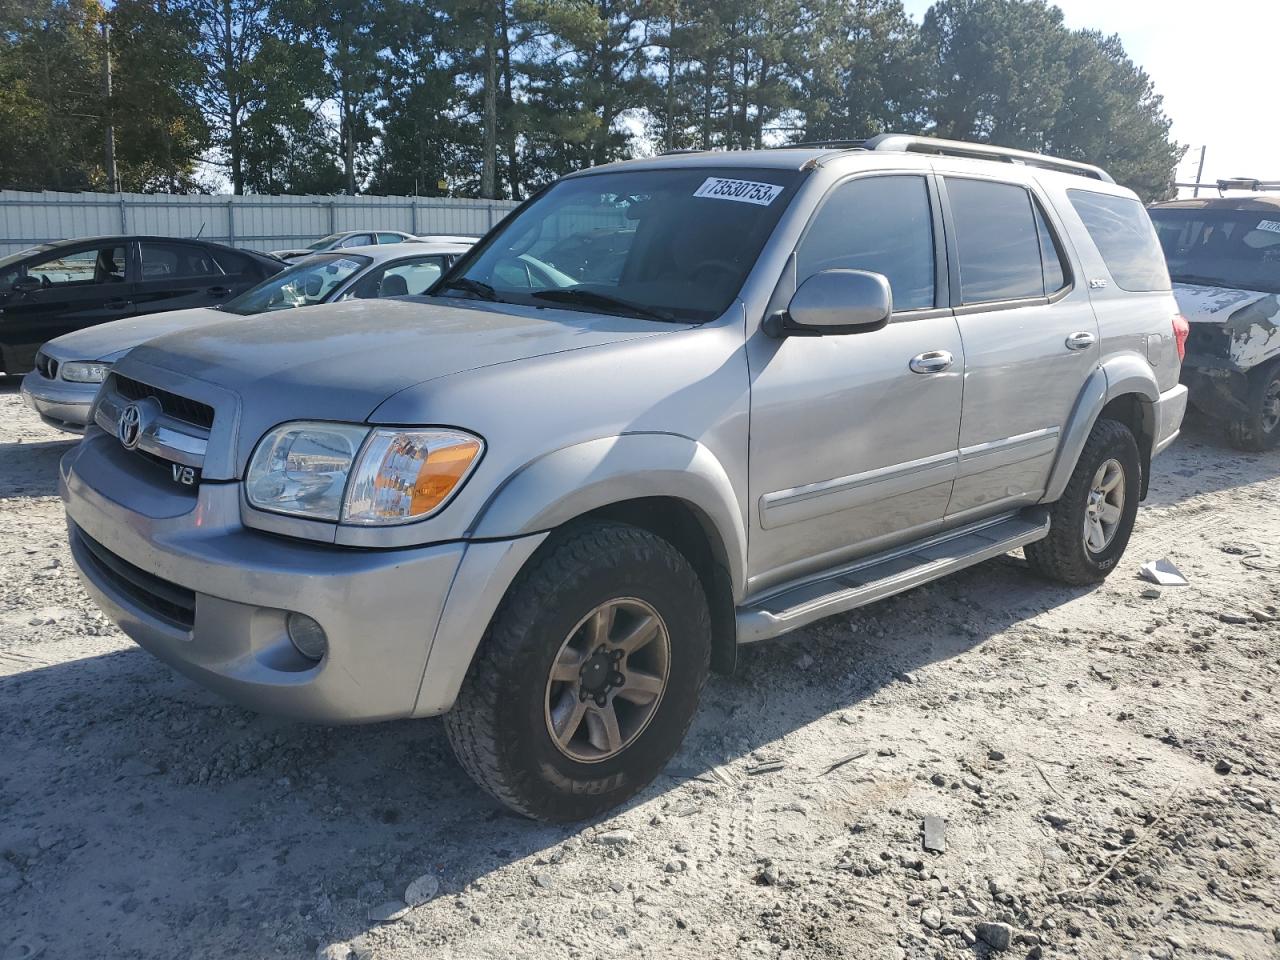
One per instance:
(1181, 330)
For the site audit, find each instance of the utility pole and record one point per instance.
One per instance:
(1199, 173)
(113, 179)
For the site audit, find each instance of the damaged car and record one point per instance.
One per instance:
(1224, 259)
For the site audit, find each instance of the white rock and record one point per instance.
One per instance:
(616, 838)
(388, 912)
(421, 890)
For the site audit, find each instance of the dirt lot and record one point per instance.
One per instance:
(1107, 765)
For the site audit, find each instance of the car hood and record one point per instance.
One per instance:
(341, 361)
(1205, 304)
(286, 254)
(107, 341)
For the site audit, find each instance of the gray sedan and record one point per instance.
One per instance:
(69, 369)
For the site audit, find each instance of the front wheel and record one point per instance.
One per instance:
(1091, 523)
(588, 677)
(1259, 427)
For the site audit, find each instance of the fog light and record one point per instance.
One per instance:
(307, 636)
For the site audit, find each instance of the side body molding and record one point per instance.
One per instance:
(574, 480)
(1116, 377)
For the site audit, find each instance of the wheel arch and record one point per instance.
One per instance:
(668, 484)
(1124, 389)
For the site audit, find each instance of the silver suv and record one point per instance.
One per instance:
(667, 407)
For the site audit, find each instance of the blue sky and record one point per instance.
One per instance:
(1214, 64)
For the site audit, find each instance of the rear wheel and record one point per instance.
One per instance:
(588, 677)
(1091, 523)
(1259, 427)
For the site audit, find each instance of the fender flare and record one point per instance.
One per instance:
(574, 480)
(1117, 377)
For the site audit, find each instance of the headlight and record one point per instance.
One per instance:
(408, 474)
(79, 371)
(332, 471)
(302, 468)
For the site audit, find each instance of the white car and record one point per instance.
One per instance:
(1224, 259)
(345, 240)
(69, 369)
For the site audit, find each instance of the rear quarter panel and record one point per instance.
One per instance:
(1135, 328)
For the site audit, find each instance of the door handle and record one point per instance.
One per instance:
(219, 291)
(1081, 340)
(934, 361)
(116, 303)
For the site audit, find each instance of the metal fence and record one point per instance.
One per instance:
(256, 222)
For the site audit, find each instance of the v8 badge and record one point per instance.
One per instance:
(184, 475)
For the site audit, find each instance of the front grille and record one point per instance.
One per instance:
(162, 599)
(180, 408)
(47, 366)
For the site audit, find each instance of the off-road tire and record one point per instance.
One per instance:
(497, 727)
(1063, 555)
(1247, 431)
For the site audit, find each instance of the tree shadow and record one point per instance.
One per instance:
(163, 813)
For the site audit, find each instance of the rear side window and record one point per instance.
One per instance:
(167, 261)
(998, 241)
(234, 263)
(880, 224)
(1123, 234)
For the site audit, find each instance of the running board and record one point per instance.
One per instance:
(882, 575)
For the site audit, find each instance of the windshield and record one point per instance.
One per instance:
(325, 242)
(308, 283)
(1239, 249)
(671, 244)
(23, 254)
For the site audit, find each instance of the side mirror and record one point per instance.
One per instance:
(27, 285)
(835, 302)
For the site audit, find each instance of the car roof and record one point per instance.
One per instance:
(379, 253)
(1270, 204)
(138, 238)
(791, 158)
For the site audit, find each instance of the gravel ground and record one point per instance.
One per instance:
(1105, 762)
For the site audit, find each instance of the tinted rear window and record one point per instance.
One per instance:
(1123, 234)
(998, 241)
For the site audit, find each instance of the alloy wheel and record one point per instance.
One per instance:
(1104, 507)
(607, 680)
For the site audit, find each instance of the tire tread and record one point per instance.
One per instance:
(471, 725)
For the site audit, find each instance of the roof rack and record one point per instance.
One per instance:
(823, 145)
(1235, 183)
(904, 143)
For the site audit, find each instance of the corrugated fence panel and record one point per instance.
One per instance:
(256, 222)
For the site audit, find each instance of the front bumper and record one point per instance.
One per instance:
(62, 405)
(1169, 411)
(187, 581)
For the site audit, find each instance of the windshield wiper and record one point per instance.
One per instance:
(481, 290)
(590, 298)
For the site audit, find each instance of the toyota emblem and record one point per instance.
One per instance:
(129, 429)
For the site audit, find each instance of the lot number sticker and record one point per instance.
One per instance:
(744, 191)
(1271, 226)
